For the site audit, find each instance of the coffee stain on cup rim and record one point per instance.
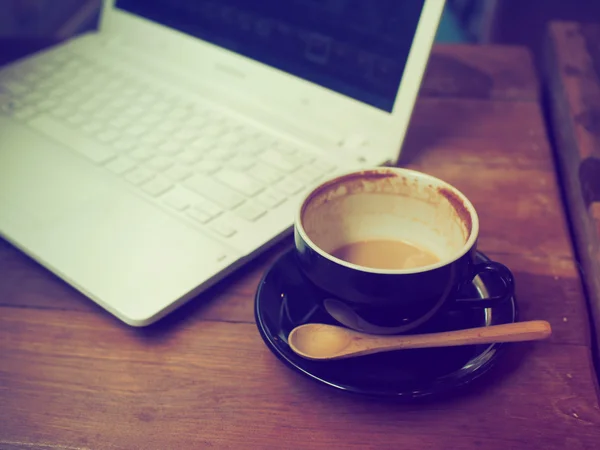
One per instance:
(353, 182)
(459, 206)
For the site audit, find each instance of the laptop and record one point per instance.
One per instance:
(146, 161)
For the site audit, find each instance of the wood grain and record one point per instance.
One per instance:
(572, 72)
(490, 72)
(72, 376)
(214, 383)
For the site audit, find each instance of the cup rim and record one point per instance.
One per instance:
(468, 245)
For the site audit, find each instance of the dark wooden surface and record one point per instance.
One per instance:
(572, 73)
(72, 376)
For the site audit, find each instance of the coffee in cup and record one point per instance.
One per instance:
(386, 254)
(394, 246)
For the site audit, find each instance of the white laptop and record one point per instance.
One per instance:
(144, 162)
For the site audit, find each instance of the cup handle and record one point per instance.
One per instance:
(505, 276)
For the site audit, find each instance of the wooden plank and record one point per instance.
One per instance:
(486, 72)
(182, 389)
(477, 134)
(572, 72)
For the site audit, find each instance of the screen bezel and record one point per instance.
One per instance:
(329, 114)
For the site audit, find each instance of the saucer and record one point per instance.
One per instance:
(285, 299)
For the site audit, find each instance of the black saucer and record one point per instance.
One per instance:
(285, 300)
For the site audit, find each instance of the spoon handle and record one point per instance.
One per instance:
(512, 332)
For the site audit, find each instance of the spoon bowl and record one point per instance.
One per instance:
(329, 342)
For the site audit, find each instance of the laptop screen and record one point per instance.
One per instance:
(355, 47)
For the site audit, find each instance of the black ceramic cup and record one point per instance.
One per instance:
(400, 205)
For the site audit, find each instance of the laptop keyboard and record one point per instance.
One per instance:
(193, 160)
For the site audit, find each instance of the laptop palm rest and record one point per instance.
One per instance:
(84, 226)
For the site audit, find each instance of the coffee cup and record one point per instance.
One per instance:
(393, 247)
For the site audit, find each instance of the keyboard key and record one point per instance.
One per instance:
(214, 130)
(133, 111)
(167, 126)
(76, 119)
(239, 181)
(185, 134)
(208, 207)
(303, 157)
(230, 140)
(170, 147)
(159, 163)
(139, 175)
(322, 167)
(271, 198)
(72, 138)
(264, 141)
(107, 136)
(178, 198)
(246, 134)
(250, 148)
(141, 154)
(91, 127)
(224, 230)
(102, 114)
(196, 122)
(285, 149)
(9, 107)
(279, 160)
(120, 165)
(153, 138)
(307, 175)
(14, 87)
(199, 216)
(156, 186)
(32, 77)
(189, 157)
(135, 130)
(242, 162)
(160, 107)
(177, 114)
(289, 186)
(250, 211)
(36, 98)
(120, 121)
(46, 104)
(71, 93)
(57, 93)
(24, 113)
(207, 167)
(130, 91)
(146, 98)
(178, 173)
(202, 144)
(212, 190)
(44, 84)
(118, 103)
(265, 173)
(124, 144)
(149, 119)
(220, 154)
(61, 112)
(90, 105)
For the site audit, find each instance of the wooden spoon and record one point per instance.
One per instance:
(318, 341)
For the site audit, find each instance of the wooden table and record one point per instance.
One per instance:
(572, 74)
(72, 376)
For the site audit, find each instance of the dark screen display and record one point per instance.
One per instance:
(355, 47)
